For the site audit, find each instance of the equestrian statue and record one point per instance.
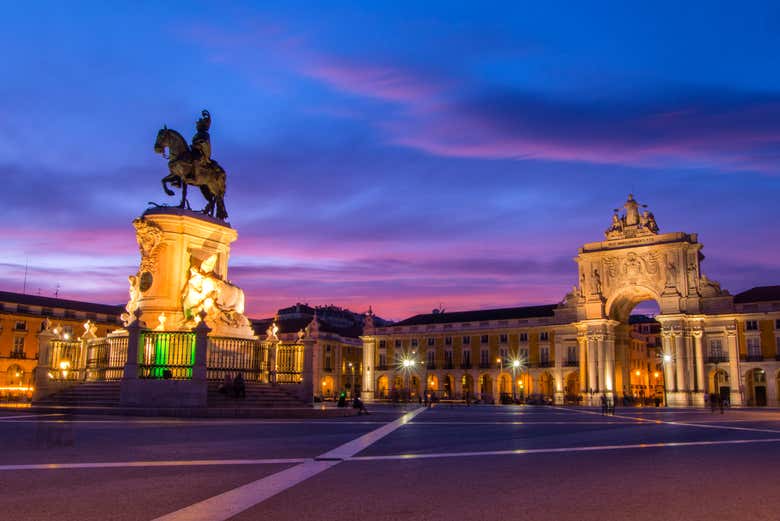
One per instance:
(193, 166)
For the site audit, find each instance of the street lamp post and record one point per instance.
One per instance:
(352, 382)
(515, 367)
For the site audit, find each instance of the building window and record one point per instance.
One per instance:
(415, 342)
(47, 312)
(21, 325)
(777, 323)
(22, 308)
(716, 348)
(431, 341)
(18, 351)
(571, 354)
(484, 358)
(397, 343)
(503, 338)
(544, 355)
(544, 336)
(382, 344)
(382, 361)
(431, 359)
(524, 354)
(448, 359)
(467, 358)
(524, 337)
(447, 340)
(751, 325)
(70, 314)
(483, 339)
(466, 340)
(504, 356)
(753, 347)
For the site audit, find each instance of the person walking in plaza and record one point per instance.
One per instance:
(239, 386)
(603, 404)
(358, 404)
(713, 402)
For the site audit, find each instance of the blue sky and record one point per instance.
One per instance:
(398, 154)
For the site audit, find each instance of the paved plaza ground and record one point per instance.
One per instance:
(444, 463)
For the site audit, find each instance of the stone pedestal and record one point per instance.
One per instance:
(183, 271)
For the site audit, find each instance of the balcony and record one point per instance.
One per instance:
(545, 363)
(717, 359)
(753, 358)
(381, 367)
(571, 363)
(448, 365)
(465, 366)
(430, 366)
(17, 354)
(484, 366)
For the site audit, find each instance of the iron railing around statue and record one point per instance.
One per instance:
(289, 364)
(229, 356)
(106, 358)
(166, 354)
(66, 360)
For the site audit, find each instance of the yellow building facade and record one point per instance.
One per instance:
(22, 317)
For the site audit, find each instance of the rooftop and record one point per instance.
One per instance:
(479, 315)
(51, 302)
(758, 294)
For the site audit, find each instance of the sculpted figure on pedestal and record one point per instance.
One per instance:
(135, 295)
(206, 291)
(193, 166)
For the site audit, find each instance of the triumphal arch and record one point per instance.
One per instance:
(703, 342)
(633, 264)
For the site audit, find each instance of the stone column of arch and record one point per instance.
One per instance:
(670, 383)
(607, 342)
(582, 340)
(735, 382)
(593, 383)
(701, 385)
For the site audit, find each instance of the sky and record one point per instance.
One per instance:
(399, 155)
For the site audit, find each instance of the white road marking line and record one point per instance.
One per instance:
(29, 416)
(232, 502)
(164, 423)
(686, 424)
(532, 422)
(135, 464)
(520, 452)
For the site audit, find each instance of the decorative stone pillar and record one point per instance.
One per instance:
(735, 381)
(42, 387)
(133, 341)
(308, 386)
(369, 376)
(201, 350)
(680, 361)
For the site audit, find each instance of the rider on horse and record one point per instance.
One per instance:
(201, 141)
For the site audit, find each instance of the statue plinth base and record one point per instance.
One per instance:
(183, 272)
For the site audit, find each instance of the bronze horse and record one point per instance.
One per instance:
(187, 168)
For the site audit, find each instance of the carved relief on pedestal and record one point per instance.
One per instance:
(149, 236)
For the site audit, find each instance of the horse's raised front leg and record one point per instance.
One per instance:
(165, 181)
